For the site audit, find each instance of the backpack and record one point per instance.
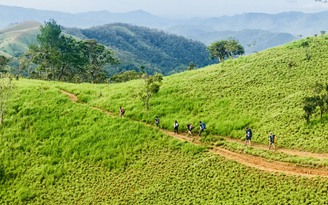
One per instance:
(203, 126)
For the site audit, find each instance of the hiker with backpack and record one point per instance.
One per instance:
(202, 127)
(190, 127)
(272, 140)
(157, 121)
(176, 127)
(122, 111)
(248, 136)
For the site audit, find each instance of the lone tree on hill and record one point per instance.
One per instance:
(151, 86)
(225, 49)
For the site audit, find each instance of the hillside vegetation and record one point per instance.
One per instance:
(140, 46)
(55, 151)
(264, 91)
(134, 46)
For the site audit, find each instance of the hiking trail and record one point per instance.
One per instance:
(242, 158)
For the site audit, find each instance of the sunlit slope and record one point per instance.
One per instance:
(15, 40)
(264, 91)
(54, 151)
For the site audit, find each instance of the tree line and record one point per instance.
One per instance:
(158, 51)
(63, 58)
(60, 57)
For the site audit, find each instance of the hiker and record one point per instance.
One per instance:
(122, 111)
(176, 127)
(272, 140)
(202, 127)
(190, 127)
(248, 136)
(157, 121)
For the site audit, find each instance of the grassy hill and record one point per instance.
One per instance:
(264, 91)
(14, 40)
(55, 151)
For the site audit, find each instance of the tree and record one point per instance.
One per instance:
(46, 53)
(97, 56)
(191, 66)
(151, 86)
(319, 99)
(60, 57)
(3, 62)
(309, 107)
(6, 88)
(225, 49)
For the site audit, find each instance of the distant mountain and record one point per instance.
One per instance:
(296, 23)
(134, 46)
(273, 29)
(252, 39)
(11, 15)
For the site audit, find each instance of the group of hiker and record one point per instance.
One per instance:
(202, 127)
(190, 127)
(249, 134)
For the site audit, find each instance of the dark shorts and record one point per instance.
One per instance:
(248, 137)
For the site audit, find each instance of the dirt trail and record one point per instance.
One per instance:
(283, 150)
(245, 159)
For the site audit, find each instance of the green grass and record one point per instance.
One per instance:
(55, 151)
(261, 91)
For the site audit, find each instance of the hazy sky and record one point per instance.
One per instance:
(174, 8)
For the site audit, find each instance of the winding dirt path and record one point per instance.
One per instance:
(245, 159)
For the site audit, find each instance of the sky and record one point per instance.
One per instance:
(174, 8)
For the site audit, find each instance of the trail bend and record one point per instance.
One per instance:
(242, 158)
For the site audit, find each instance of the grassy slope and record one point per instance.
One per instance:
(261, 91)
(55, 151)
(15, 40)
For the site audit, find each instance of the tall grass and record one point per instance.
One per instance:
(264, 91)
(55, 151)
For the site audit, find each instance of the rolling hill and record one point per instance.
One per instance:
(264, 91)
(155, 49)
(56, 151)
(14, 40)
(134, 46)
(277, 29)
